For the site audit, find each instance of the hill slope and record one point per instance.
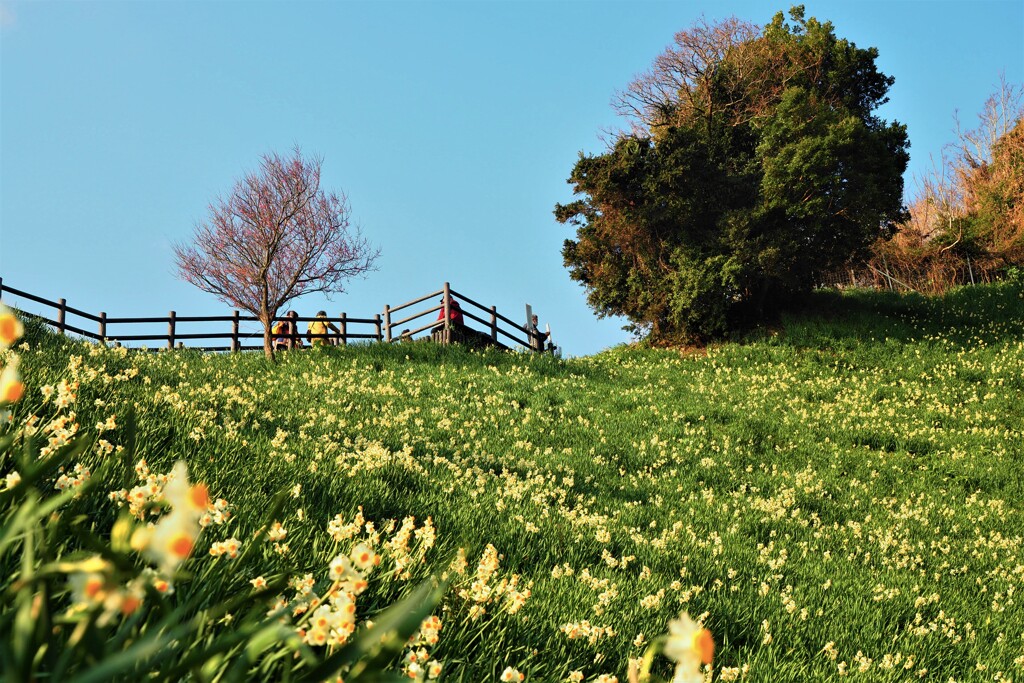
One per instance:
(841, 496)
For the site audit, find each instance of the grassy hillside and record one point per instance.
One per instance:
(840, 496)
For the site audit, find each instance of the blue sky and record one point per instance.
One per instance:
(450, 126)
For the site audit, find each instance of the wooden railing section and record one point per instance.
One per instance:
(379, 328)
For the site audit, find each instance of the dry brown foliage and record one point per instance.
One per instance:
(966, 221)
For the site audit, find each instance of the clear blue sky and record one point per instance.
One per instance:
(451, 127)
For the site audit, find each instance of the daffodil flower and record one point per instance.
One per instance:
(11, 328)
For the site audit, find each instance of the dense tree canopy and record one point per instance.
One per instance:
(755, 162)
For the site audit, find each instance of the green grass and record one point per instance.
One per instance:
(848, 483)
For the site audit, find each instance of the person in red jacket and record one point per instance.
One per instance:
(454, 313)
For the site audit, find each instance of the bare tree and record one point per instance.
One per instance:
(1000, 113)
(681, 77)
(275, 237)
(732, 67)
(941, 190)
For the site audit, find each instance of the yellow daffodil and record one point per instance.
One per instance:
(362, 557)
(689, 645)
(183, 496)
(171, 541)
(11, 328)
(510, 675)
(11, 386)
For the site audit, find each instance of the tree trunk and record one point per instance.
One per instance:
(268, 346)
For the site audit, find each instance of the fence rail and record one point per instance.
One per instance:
(448, 326)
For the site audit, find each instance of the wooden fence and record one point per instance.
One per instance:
(379, 328)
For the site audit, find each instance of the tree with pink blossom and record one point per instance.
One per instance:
(275, 237)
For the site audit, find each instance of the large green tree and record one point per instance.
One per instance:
(755, 162)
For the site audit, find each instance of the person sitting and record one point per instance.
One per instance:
(285, 332)
(454, 313)
(318, 329)
(281, 334)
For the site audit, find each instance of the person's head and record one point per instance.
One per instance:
(293, 314)
(321, 314)
(534, 319)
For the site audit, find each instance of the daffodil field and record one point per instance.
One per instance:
(837, 499)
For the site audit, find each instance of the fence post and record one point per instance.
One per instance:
(494, 323)
(62, 306)
(387, 322)
(293, 340)
(103, 327)
(376, 321)
(170, 329)
(446, 332)
(343, 329)
(234, 332)
(970, 270)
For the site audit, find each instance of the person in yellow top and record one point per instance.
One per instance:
(320, 325)
(286, 333)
